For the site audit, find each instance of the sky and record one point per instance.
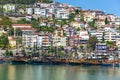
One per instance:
(108, 6)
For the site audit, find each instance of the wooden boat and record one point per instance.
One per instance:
(91, 62)
(58, 61)
(67, 61)
(38, 61)
(75, 61)
(18, 60)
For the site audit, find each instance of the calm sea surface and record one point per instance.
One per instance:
(57, 72)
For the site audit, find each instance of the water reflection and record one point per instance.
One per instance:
(54, 72)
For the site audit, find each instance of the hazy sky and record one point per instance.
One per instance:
(108, 6)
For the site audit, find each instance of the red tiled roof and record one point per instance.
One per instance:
(31, 29)
(21, 25)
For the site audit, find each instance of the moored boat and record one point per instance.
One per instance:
(91, 62)
(2, 60)
(75, 61)
(114, 63)
(38, 61)
(58, 61)
(18, 60)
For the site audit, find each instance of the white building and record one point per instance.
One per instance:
(116, 22)
(29, 40)
(43, 13)
(83, 34)
(59, 41)
(99, 35)
(9, 7)
(62, 14)
(46, 40)
(110, 36)
(29, 10)
(35, 40)
(37, 10)
(99, 23)
(111, 17)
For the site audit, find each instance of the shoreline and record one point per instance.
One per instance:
(61, 61)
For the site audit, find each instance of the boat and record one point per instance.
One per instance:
(57, 61)
(38, 61)
(114, 63)
(75, 61)
(2, 60)
(92, 62)
(18, 60)
(66, 61)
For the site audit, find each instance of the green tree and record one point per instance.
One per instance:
(45, 29)
(23, 21)
(110, 43)
(77, 11)
(72, 16)
(4, 41)
(6, 21)
(18, 32)
(103, 39)
(8, 53)
(92, 23)
(60, 53)
(35, 23)
(11, 32)
(82, 16)
(92, 42)
(78, 29)
(5, 28)
(106, 21)
(81, 47)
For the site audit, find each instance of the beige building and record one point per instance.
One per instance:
(99, 23)
(12, 41)
(75, 24)
(88, 15)
(59, 32)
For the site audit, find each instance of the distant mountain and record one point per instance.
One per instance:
(24, 1)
